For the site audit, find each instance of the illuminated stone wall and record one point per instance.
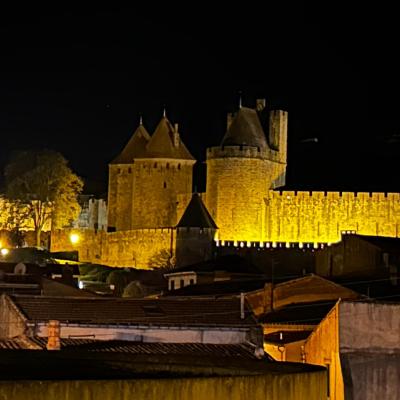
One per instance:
(144, 194)
(157, 185)
(139, 248)
(238, 180)
(322, 216)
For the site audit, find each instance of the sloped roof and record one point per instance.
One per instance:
(135, 148)
(182, 312)
(245, 130)
(241, 350)
(196, 215)
(303, 314)
(161, 144)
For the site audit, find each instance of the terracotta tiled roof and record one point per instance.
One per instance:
(123, 346)
(187, 312)
(136, 147)
(245, 130)
(196, 215)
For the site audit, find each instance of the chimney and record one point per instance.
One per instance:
(260, 104)
(176, 135)
(241, 305)
(53, 340)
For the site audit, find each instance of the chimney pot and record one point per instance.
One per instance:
(53, 335)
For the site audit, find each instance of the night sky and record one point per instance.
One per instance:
(76, 80)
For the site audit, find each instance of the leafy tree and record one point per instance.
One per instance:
(134, 289)
(120, 279)
(42, 181)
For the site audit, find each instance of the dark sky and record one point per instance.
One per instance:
(76, 80)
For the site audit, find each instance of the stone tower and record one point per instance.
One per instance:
(195, 234)
(250, 161)
(145, 179)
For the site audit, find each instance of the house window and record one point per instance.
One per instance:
(172, 285)
(191, 281)
(182, 283)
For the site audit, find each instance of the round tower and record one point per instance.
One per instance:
(250, 161)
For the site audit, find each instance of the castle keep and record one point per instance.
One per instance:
(153, 218)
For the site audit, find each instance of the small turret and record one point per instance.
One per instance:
(195, 233)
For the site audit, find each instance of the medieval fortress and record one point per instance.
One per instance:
(154, 218)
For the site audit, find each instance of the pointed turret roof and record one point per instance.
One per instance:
(196, 215)
(245, 130)
(135, 148)
(166, 143)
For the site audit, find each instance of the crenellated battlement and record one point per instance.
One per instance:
(303, 216)
(242, 152)
(287, 195)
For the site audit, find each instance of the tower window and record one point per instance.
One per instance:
(179, 166)
(129, 170)
(155, 165)
(167, 165)
(165, 185)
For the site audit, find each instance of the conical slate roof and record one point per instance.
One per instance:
(196, 215)
(245, 130)
(161, 144)
(135, 148)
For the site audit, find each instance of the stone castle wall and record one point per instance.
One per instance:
(138, 248)
(157, 184)
(320, 217)
(238, 180)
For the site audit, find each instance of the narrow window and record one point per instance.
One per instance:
(129, 170)
(172, 285)
(179, 166)
(119, 170)
(167, 165)
(155, 165)
(182, 283)
(165, 185)
(328, 381)
(191, 281)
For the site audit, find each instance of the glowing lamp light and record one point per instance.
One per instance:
(74, 238)
(80, 285)
(4, 252)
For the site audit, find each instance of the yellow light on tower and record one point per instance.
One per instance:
(74, 238)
